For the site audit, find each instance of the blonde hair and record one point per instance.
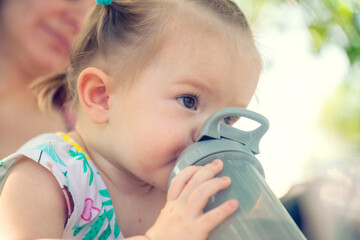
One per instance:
(124, 35)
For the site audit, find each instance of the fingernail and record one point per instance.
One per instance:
(233, 203)
(216, 162)
(226, 178)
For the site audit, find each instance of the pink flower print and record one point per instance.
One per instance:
(87, 212)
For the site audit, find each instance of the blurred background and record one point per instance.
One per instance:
(310, 92)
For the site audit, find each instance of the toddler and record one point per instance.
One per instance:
(144, 76)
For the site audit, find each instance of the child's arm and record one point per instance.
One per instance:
(32, 204)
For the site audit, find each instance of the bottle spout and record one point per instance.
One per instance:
(214, 128)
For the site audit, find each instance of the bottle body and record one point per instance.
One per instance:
(260, 216)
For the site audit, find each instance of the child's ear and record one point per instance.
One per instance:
(94, 87)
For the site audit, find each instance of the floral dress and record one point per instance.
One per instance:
(90, 213)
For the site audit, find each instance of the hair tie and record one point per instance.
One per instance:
(104, 2)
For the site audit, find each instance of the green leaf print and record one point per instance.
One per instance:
(116, 229)
(78, 229)
(110, 214)
(81, 157)
(49, 149)
(96, 227)
(105, 234)
(107, 203)
(104, 193)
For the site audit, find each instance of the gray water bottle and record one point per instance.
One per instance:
(260, 216)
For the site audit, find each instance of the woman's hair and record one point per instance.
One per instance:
(123, 36)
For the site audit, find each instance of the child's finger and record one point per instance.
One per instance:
(200, 196)
(204, 174)
(178, 183)
(214, 217)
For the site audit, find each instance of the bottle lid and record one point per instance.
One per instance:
(216, 137)
(214, 128)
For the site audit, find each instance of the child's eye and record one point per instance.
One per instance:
(231, 120)
(188, 101)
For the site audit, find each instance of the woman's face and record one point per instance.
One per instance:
(37, 34)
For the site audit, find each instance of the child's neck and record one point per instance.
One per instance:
(115, 177)
(135, 209)
(123, 181)
(136, 203)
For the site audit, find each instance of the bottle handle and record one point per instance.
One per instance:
(214, 128)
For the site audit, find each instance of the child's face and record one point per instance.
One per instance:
(195, 74)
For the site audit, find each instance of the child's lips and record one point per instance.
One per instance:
(62, 42)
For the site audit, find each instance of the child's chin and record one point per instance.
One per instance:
(163, 186)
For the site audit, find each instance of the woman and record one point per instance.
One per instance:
(35, 40)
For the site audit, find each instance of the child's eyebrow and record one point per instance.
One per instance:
(196, 82)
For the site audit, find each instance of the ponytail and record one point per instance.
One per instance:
(51, 92)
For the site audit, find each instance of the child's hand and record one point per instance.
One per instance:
(183, 217)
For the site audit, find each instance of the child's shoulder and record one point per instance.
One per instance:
(48, 150)
(87, 199)
(55, 151)
(32, 190)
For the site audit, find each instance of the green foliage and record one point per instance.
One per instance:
(338, 22)
(342, 112)
(334, 21)
(329, 21)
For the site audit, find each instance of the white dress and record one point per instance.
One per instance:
(90, 213)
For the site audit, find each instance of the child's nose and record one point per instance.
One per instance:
(196, 129)
(194, 135)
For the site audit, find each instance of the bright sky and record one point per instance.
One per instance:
(292, 89)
